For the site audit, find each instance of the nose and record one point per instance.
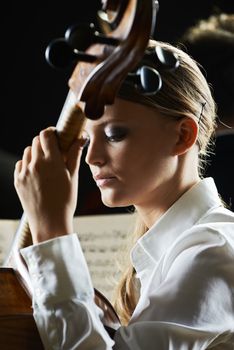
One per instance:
(95, 154)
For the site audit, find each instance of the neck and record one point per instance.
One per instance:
(151, 212)
(165, 195)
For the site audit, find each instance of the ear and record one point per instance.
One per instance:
(187, 130)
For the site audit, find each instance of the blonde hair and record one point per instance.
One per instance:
(184, 93)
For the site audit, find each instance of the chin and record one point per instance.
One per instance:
(115, 201)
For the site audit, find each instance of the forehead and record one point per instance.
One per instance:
(125, 112)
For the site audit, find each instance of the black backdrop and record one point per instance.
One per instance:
(32, 92)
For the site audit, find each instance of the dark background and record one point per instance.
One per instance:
(33, 93)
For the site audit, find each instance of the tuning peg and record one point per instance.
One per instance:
(80, 36)
(146, 79)
(167, 58)
(59, 54)
(164, 58)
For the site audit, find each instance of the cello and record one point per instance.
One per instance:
(104, 61)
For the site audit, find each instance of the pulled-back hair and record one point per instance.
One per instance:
(184, 93)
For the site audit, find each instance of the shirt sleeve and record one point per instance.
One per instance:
(63, 296)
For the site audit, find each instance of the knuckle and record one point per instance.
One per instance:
(34, 168)
(46, 133)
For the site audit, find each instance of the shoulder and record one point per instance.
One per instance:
(205, 249)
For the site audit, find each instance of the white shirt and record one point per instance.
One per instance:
(185, 264)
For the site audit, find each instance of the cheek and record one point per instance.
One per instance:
(145, 170)
(141, 161)
(138, 179)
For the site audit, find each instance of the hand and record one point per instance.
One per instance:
(47, 184)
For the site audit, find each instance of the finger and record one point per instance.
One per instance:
(73, 156)
(17, 172)
(18, 167)
(26, 159)
(49, 143)
(37, 151)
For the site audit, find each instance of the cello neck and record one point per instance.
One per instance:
(70, 122)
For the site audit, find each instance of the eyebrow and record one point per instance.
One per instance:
(105, 123)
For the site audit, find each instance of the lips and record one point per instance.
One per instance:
(103, 179)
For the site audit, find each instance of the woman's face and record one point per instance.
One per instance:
(130, 153)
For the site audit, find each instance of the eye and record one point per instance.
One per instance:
(116, 133)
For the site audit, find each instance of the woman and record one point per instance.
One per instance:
(146, 151)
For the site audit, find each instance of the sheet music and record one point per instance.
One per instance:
(7, 231)
(102, 238)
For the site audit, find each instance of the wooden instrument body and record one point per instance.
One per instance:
(17, 327)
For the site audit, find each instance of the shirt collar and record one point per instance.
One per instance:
(182, 215)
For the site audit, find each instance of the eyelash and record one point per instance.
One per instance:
(116, 134)
(114, 137)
